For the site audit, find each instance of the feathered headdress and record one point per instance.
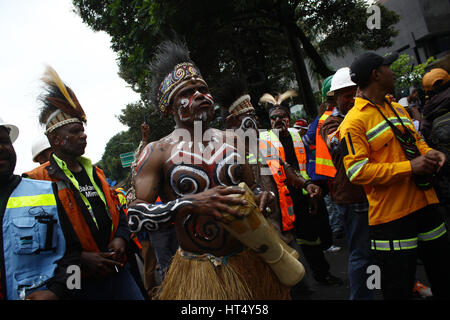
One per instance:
(233, 96)
(61, 106)
(171, 69)
(275, 102)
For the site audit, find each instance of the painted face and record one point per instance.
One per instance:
(279, 119)
(248, 121)
(7, 155)
(345, 98)
(244, 121)
(71, 139)
(193, 102)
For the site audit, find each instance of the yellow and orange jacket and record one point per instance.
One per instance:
(375, 159)
(272, 152)
(324, 162)
(74, 205)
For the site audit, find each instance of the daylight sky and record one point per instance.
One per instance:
(38, 32)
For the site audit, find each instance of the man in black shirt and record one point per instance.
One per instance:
(311, 219)
(93, 208)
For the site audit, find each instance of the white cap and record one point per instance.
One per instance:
(404, 102)
(39, 144)
(14, 131)
(341, 79)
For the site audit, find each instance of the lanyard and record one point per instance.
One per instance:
(406, 137)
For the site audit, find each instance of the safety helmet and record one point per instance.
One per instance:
(39, 144)
(404, 102)
(341, 79)
(301, 124)
(13, 130)
(326, 86)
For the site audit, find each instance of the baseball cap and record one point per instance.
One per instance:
(363, 66)
(430, 78)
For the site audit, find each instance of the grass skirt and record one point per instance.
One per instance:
(244, 276)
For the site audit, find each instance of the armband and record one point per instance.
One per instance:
(151, 216)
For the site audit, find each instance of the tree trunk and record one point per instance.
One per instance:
(312, 53)
(301, 73)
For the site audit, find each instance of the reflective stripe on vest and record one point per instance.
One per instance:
(87, 165)
(74, 209)
(32, 201)
(32, 238)
(268, 139)
(383, 126)
(324, 163)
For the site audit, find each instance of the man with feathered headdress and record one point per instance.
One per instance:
(92, 207)
(300, 213)
(196, 179)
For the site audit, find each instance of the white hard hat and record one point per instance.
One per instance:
(39, 144)
(341, 79)
(404, 102)
(13, 132)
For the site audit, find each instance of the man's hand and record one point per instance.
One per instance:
(99, 263)
(437, 156)
(216, 201)
(42, 295)
(118, 246)
(425, 165)
(263, 199)
(314, 191)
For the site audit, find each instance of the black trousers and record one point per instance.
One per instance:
(398, 267)
(311, 228)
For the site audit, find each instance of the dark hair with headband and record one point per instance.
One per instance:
(169, 54)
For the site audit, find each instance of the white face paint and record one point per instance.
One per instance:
(185, 106)
(185, 110)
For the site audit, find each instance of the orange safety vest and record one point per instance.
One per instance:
(324, 163)
(272, 150)
(73, 209)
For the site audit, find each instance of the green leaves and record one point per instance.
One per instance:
(407, 74)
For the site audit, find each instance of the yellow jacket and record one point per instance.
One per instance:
(376, 160)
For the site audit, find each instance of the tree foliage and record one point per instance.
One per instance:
(268, 41)
(249, 37)
(110, 162)
(407, 74)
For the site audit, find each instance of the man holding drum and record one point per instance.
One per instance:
(192, 178)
